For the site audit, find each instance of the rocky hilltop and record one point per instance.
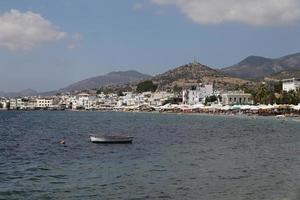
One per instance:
(195, 73)
(285, 74)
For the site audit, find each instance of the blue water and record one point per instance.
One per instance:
(172, 157)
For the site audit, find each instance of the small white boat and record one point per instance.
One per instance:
(111, 139)
(280, 116)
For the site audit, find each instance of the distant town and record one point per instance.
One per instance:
(200, 98)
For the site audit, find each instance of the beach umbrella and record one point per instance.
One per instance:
(236, 107)
(297, 107)
(226, 107)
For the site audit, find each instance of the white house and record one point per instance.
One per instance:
(12, 104)
(128, 99)
(236, 98)
(29, 104)
(93, 102)
(198, 95)
(290, 84)
(3, 104)
(81, 101)
(139, 99)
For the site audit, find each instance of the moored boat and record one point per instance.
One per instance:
(111, 139)
(280, 116)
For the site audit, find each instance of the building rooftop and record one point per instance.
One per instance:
(290, 80)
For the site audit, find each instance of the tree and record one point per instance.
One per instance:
(265, 93)
(177, 90)
(271, 92)
(277, 86)
(146, 86)
(171, 101)
(210, 99)
(120, 93)
(193, 87)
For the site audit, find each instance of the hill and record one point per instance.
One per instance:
(110, 79)
(255, 67)
(283, 75)
(195, 73)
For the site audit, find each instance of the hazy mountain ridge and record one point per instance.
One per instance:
(256, 67)
(112, 78)
(27, 92)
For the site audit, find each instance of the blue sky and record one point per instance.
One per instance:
(74, 39)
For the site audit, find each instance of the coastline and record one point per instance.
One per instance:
(281, 117)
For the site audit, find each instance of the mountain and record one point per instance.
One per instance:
(255, 67)
(27, 92)
(195, 73)
(112, 78)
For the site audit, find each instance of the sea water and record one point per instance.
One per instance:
(172, 156)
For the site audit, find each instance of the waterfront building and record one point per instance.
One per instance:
(20, 104)
(290, 84)
(236, 98)
(128, 99)
(16, 104)
(12, 104)
(81, 101)
(27, 103)
(197, 95)
(3, 104)
(64, 101)
(73, 103)
(139, 99)
(93, 102)
(44, 102)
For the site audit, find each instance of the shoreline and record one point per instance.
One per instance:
(282, 117)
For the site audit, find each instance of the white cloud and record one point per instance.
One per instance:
(24, 31)
(253, 12)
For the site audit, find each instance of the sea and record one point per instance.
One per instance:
(173, 156)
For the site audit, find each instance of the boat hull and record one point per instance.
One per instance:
(111, 139)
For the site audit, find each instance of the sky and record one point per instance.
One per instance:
(46, 45)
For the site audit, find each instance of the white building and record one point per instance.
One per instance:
(236, 98)
(93, 102)
(85, 101)
(12, 104)
(3, 104)
(29, 103)
(44, 103)
(81, 101)
(139, 99)
(290, 84)
(197, 95)
(20, 103)
(127, 100)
